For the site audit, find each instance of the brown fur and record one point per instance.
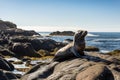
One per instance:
(69, 51)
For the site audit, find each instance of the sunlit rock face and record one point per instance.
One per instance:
(7, 25)
(10, 28)
(92, 66)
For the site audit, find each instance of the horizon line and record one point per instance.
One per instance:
(58, 28)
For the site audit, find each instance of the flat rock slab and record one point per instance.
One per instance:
(96, 72)
(92, 66)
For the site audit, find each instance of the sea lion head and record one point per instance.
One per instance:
(79, 40)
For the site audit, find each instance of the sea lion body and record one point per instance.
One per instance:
(64, 53)
(72, 50)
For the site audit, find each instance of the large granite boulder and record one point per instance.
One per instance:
(10, 28)
(20, 32)
(91, 48)
(45, 44)
(49, 44)
(36, 43)
(6, 52)
(95, 72)
(24, 49)
(65, 33)
(21, 39)
(6, 25)
(5, 65)
(92, 66)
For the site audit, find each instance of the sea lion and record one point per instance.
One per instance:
(74, 49)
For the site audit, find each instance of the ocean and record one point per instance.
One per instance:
(105, 41)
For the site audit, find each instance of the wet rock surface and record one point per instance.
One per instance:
(25, 49)
(6, 75)
(92, 66)
(5, 65)
(5, 70)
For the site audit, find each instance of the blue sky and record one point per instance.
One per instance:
(48, 15)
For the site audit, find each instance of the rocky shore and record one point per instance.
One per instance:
(64, 33)
(22, 51)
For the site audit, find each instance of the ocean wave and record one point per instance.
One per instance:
(104, 40)
(89, 34)
(104, 51)
(47, 33)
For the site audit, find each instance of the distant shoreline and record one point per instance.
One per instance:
(90, 32)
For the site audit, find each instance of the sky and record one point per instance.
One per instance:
(53, 15)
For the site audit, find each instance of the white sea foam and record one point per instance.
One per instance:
(18, 72)
(102, 40)
(117, 39)
(13, 59)
(104, 51)
(89, 34)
